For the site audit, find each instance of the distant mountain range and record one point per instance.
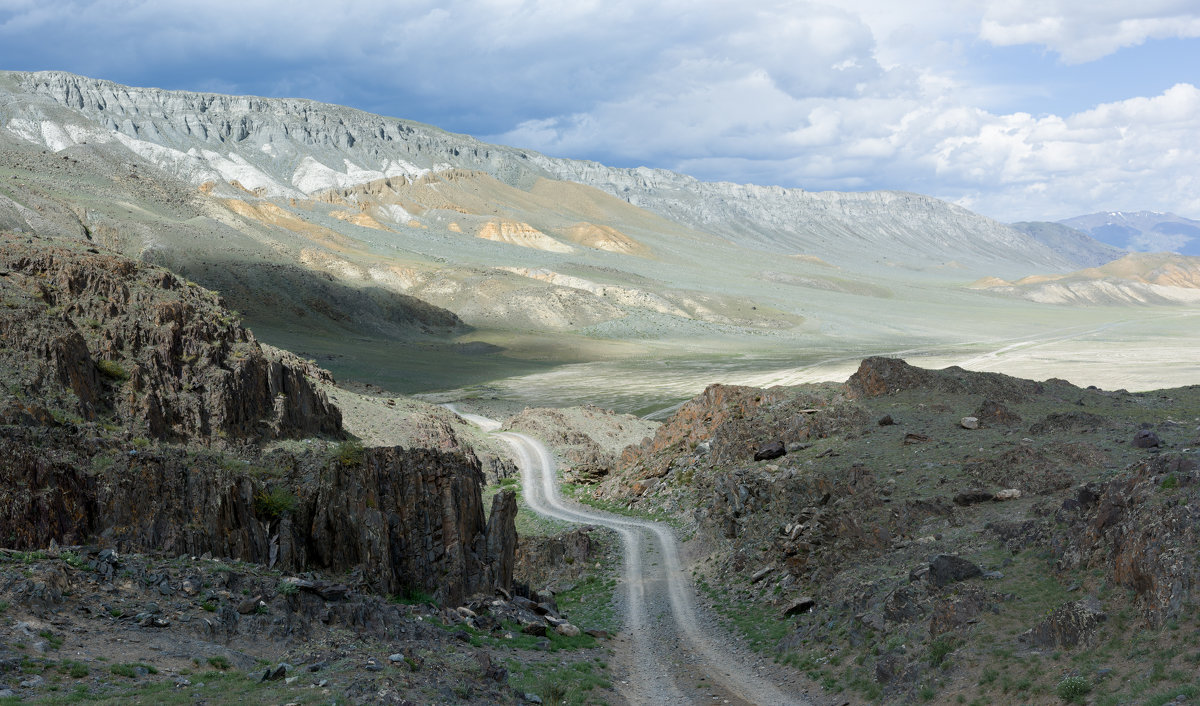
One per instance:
(1141, 231)
(346, 236)
(1071, 243)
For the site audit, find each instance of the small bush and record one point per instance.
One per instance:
(52, 641)
(349, 453)
(220, 662)
(112, 369)
(287, 588)
(130, 669)
(1073, 689)
(76, 670)
(1170, 482)
(938, 649)
(414, 596)
(275, 503)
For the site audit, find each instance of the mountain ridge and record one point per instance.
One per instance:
(157, 124)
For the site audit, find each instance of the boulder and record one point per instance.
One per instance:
(802, 604)
(973, 497)
(948, 568)
(775, 449)
(761, 574)
(1069, 625)
(1146, 439)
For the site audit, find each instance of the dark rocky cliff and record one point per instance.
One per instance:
(97, 336)
(399, 519)
(133, 411)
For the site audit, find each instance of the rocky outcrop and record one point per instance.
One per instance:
(1143, 530)
(558, 559)
(95, 335)
(1069, 625)
(884, 376)
(400, 519)
(730, 423)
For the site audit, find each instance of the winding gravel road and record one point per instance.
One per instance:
(673, 658)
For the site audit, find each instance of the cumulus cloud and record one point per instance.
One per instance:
(1084, 30)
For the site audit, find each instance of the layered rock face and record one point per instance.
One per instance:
(401, 519)
(98, 336)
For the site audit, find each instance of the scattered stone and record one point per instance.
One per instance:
(532, 698)
(275, 673)
(374, 666)
(535, 629)
(948, 568)
(973, 497)
(969, 423)
(992, 575)
(802, 604)
(914, 438)
(251, 605)
(775, 449)
(6, 693)
(151, 621)
(567, 630)
(1146, 439)
(1007, 494)
(598, 633)
(761, 574)
(396, 658)
(33, 682)
(886, 421)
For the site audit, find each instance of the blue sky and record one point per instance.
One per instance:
(1020, 109)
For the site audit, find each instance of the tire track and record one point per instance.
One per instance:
(673, 660)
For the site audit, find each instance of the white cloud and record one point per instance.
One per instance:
(846, 94)
(1085, 30)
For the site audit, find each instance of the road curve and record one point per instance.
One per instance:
(674, 660)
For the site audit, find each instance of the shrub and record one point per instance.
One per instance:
(349, 453)
(112, 369)
(1073, 689)
(275, 503)
(938, 649)
(219, 661)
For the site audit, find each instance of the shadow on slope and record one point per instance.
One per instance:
(368, 334)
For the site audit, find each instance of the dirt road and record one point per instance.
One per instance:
(673, 656)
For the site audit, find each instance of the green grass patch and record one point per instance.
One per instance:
(590, 603)
(112, 369)
(130, 669)
(575, 684)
